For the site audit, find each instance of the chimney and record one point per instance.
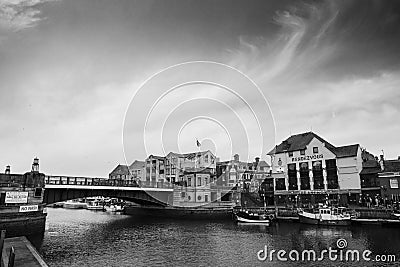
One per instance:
(35, 165)
(236, 157)
(8, 170)
(382, 163)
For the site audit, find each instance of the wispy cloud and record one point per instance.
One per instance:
(300, 42)
(16, 15)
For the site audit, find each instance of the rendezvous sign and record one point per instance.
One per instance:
(16, 197)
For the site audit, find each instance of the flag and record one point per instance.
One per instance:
(198, 143)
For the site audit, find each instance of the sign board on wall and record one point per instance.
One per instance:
(16, 197)
(28, 208)
(308, 157)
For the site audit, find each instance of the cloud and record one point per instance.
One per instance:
(16, 15)
(301, 43)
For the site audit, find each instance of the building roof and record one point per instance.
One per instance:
(137, 164)
(156, 157)
(300, 142)
(189, 155)
(391, 165)
(120, 169)
(263, 163)
(346, 151)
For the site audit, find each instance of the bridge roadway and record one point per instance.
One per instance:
(62, 188)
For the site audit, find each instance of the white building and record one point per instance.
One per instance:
(308, 169)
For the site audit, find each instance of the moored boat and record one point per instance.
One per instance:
(245, 216)
(95, 203)
(326, 216)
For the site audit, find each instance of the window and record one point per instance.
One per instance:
(199, 198)
(291, 154)
(189, 181)
(206, 159)
(199, 181)
(394, 183)
(302, 152)
(315, 150)
(38, 192)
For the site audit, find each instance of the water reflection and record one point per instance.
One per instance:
(86, 238)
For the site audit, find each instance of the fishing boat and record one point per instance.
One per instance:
(325, 215)
(245, 216)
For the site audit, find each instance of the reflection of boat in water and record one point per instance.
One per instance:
(245, 216)
(114, 208)
(326, 216)
(74, 204)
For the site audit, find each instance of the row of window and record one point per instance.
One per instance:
(189, 181)
(303, 152)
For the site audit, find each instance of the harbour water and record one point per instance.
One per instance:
(90, 238)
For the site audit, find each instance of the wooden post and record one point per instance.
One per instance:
(11, 258)
(2, 237)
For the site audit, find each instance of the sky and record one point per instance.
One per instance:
(86, 85)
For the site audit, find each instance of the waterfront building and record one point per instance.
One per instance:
(176, 164)
(155, 170)
(389, 179)
(370, 185)
(306, 169)
(246, 175)
(137, 171)
(121, 172)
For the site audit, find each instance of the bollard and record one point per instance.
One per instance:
(2, 237)
(11, 258)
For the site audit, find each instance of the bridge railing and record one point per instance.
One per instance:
(65, 180)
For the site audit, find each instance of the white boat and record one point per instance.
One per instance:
(95, 203)
(326, 216)
(245, 216)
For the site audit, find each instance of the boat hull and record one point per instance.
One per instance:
(315, 221)
(244, 220)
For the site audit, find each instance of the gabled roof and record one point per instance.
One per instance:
(263, 163)
(391, 165)
(137, 164)
(121, 170)
(300, 141)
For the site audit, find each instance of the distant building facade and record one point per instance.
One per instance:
(306, 169)
(155, 170)
(243, 174)
(138, 171)
(389, 179)
(121, 172)
(176, 164)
